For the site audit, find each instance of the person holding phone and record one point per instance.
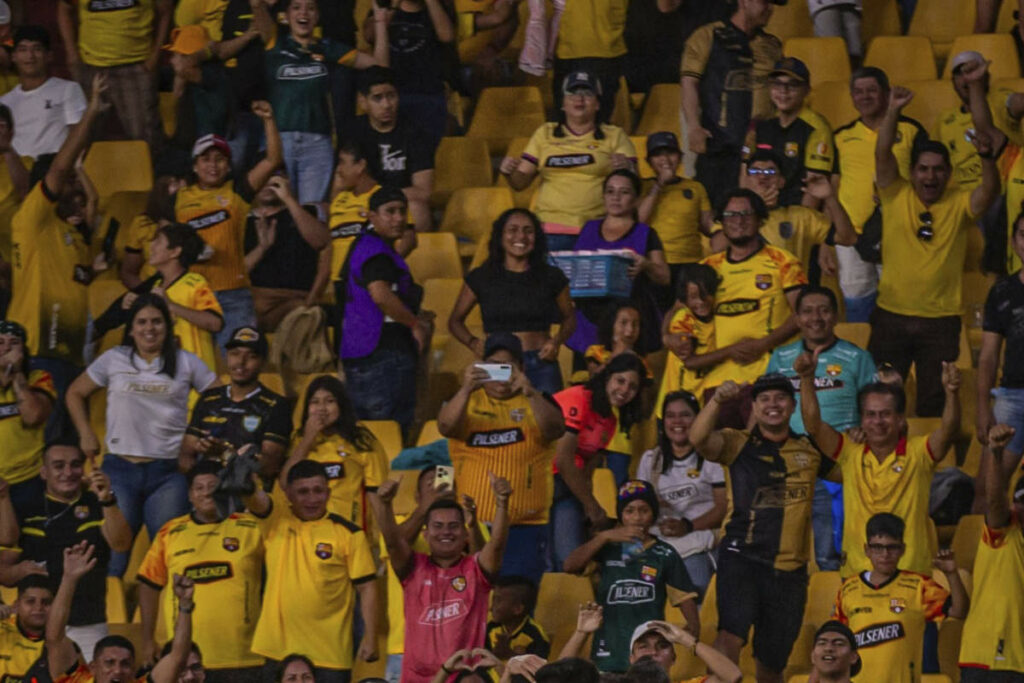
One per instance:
(499, 423)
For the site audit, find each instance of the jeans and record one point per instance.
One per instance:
(824, 525)
(841, 21)
(700, 567)
(309, 158)
(238, 312)
(151, 492)
(859, 310)
(320, 675)
(525, 552)
(62, 373)
(858, 279)
(393, 673)
(429, 111)
(561, 242)
(1009, 409)
(565, 525)
(618, 463)
(544, 375)
(246, 140)
(382, 386)
(25, 493)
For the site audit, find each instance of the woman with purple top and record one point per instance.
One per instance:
(620, 229)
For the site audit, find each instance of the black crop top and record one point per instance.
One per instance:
(517, 302)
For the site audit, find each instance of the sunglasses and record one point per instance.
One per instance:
(747, 213)
(925, 232)
(763, 171)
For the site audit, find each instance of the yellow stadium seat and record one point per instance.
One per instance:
(439, 296)
(791, 20)
(856, 333)
(272, 381)
(922, 426)
(942, 21)
(902, 58)
(832, 100)
(879, 18)
(965, 540)
(117, 611)
(428, 433)
(504, 113)
(168, 112)
(821, 596)
(459, 162)
(405, 499)
(435, 256)
(471, 211)
(119, 166)
(826, 58)
(388, 433)
(931, 99)
(644, 168)
(950, 632)
(558, 600)
(661, 111)
(688, 666)
(522, 198)
(622, 114)
(101, 294)
(998, 48)
(605, 490)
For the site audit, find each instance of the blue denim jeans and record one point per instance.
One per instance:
(393, 673)
(526, 551)
(150, 493)
(238, 311)
(1009, 409)
(309, 158)
(859, 310)
(382, 386)
(823, 522)
(544, 375)
(565, 527)
(618, 463)
(700, 567)
(246, 141)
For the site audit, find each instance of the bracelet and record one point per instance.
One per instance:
(186, 610)
(109, 502)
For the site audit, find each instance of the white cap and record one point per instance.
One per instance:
(965, 57)
(641, 631)
(5, 13)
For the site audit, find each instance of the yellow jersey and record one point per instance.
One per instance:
(676, 376)
(1013, 185)
(207, 13)
(140, 233)
(993, 635)
(956, 126)
(218, 215)
(592, 28)
(676, 218)
(191, 290)
(349, 214)
(23, 446)
(751, 302)
(900, 484)
(18, 650)
(922, 276)
(572, 169)
(9, 203)
(51, 272)
(888, 623)
(350, 474)
(225, 560)
(114, 32)
(311, 569)
(502, 436)
(855, 163)
(796, 229)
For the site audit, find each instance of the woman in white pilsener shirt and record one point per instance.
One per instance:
(690, 489)
(148, 379)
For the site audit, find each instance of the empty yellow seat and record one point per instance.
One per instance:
(826, 58)
(832, 100)
(428, 433)
(505, 113)
(605, 490)
(965, 540)
(879, 18)
(459, 162)
(558, 600)
(902, 58)
(997, 48)
(855, 333)
(439, 296)
(436, 255)
(661, 111)
(942, 21)
(622, 114)
(791, 20)
(931, 99)
(119, 166)
(117, 610)
(388, 433)
(471, 212)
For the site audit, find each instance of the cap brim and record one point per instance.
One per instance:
(786, 72)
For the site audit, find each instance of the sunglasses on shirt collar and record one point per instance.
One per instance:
(925, 233)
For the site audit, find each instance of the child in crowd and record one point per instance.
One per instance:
(689, 331)
(511, 630)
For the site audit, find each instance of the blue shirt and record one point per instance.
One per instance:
(843, 370)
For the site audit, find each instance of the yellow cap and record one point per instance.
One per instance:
(188, 40)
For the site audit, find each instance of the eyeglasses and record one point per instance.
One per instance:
(925, 232)
(737, 214)
(763, 171)
(885, 547)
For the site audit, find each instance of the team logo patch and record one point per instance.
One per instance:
(230, 544)
(459, 583)
(688, 193)
(648, 573)
(897, 467)
(692, 473)
(833, 369)
(785, 230)
(324, 550)
(81, 511)
(517, 414)
(802, 460)
(897, 605)
(822, 148)
(251, 423)
(223, 201)
(762, 281)
(317, 57)
(791, 149)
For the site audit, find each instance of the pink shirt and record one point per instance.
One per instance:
(445, 611)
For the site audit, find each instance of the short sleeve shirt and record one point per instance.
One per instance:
(677, 219)
(533, 308)
(593, 431)
(260, 416)
(804, 145)
(23, 446)
(1004, 315)
(44, 115)
(218, 216)
(395, 156)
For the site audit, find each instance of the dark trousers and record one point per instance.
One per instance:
(924, 342)
(719, 172)
(607, 69)
(972, 675)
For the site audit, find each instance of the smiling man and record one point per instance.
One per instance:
(834, 658)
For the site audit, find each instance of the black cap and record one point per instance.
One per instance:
(662, 140)
(773, 380)
(504, 340)
(37, 34)
(577, 80)
(249, 338)
(792, 67)
(834, 626)
(13, 328)
(386, 195)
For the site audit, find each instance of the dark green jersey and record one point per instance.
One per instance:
(632, 591)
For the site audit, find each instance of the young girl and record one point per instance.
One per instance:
(635, 569)
(689, 331)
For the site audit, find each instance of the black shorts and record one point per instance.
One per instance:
(749, 594)
(970, 674)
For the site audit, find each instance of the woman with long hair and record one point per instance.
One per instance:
(519, 292)
(159, 212)
(610, 400)
(691, 489)
(295, 668)
(148, 380)
(330, 434)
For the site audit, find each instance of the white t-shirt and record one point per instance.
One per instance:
(42, 117)
(817, 5)
(684, 491)
(147, 411)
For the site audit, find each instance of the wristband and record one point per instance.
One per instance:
(186, 610)
(109, 502)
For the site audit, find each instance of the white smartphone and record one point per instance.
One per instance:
(496, 372)
(444, 477)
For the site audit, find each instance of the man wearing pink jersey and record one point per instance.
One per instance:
(446, 592)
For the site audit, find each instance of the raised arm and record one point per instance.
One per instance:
(708, 442)
(274, 157)
(171, 665)
(441, 21)
(989, 147)
(887, 170)
(721, 668)
(588, 620)
(60, 649)
(77, 139)
(399, 549)
(941, 439)
(115, 528)
(997, 476)
(582, 556)
(960, 602)
(490, 556)
(827, 438)
(313, 230)
(262, 21)
(452, 413)
(817, 185)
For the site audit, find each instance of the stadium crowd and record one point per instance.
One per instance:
(736, 396)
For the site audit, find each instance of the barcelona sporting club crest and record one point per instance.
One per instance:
(897, 605)
(763, 281)
(459, 583)
(230, 544)
(81, 511)
(324, 550)
(833, 369)
(791, 149)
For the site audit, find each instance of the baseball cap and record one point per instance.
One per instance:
(32, 32)
(385, 195)
(211, 141)
(577, 80)
(772, 381)
(641, 631)
(792, 67)
(188, 39)
(248, 338)
(663, 139)
(834, 626)
(12, 328)
(965, 57)
(504, 340)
